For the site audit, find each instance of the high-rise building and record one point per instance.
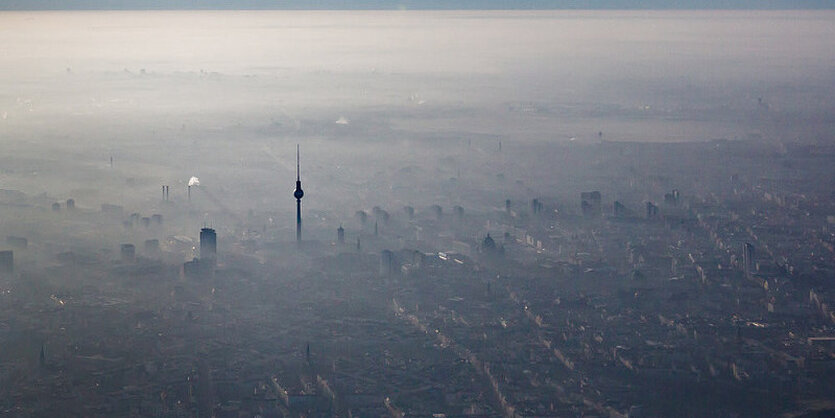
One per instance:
(387, 267)
(590, 202)
(362, 217)
(619, 209)
(672, 198)
(128, 253)
(652, 210)
(459, 213)
(151, 247)
(6, 262)
(298, 194)
(437, 211)
(340, 235)
(748, 253)
(208, 246)
(537, 206)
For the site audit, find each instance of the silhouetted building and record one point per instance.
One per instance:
(490, 249)
(151, 247)
(410, 212)
(6, 262)
(340, 235)
(387, 267)
(459, 213)
(672, 198)
(380, 214)
(590, 203)
(384, 216)
(748, 253)
(619, 210)
(205, 265)
(536, 206)
(652, 211)
(488, 244)
(156, 219)
(507, 205)
(437, 211)
(70, 204)
(208, 246)
(56, 206)
(362, 217)
(196, 269)
(418, 259)
(128, 253)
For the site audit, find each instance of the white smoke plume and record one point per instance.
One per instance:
(194, 181)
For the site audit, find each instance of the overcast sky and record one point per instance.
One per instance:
(414, 4)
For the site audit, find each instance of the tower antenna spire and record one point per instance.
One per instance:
(298, 165)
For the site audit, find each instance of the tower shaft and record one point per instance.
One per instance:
(298, 194)
(298, 220)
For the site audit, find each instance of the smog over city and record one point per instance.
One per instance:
(400, 209)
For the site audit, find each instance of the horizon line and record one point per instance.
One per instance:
(324, 9)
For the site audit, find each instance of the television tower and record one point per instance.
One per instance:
(298, 194)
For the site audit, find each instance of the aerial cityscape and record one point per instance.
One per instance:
(506, 214)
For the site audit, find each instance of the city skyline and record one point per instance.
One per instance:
(511, 213)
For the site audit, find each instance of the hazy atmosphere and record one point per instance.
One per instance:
(229, 94)
(505, 212)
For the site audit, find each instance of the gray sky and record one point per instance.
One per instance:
(413, 4)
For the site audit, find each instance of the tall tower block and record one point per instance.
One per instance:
(298, 194)
(208, 246)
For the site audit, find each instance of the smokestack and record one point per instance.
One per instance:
(193, 181)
